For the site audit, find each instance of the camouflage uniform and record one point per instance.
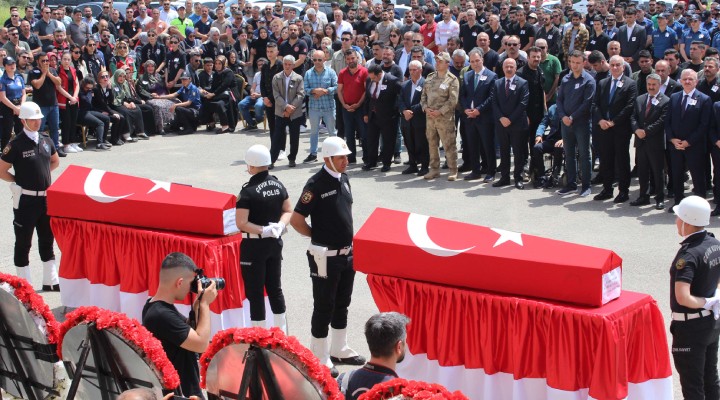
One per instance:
(441, 93)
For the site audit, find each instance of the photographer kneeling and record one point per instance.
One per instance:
(179, 340)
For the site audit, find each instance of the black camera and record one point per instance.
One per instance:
(205, 281)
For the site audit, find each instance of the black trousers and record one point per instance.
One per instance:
(214, 107)
(695, 353)
(331, 295)
(278, 138)
(133, 120)
(99, 122)
(615, 149)
(31, 215)
(9, 125)
(460, 116)
(416, 145)
(694, 160)
(117, 127)
(260, 263)
(380, 130)
(531, 131)
(715, 155)
(270, 115)
(481, 145)
(339, 124)
(186, 118)
(546, 147)
(68, 123)
(650, 165)
(149, 119)
(515, 139)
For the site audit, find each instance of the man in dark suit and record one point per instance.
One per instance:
(412, 121)
(632, 38)
(687, 129)
(648, 124)
(510, 103)
(715, 155)
(614, 102)
(476, 96)
(381, 116)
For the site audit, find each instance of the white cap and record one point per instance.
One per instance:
(693, 210)
(258, 156)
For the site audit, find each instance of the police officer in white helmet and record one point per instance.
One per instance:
(327, 200)
(695, 301)
(262, 212)
(32, 155)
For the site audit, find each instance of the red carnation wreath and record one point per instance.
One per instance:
(416, 390)
(145, 344)
(34, 304)
(286, 346)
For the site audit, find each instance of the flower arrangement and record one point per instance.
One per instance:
(402, 389)
(34, 304)
(139, 338)
(287, 346)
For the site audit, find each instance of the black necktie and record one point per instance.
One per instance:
(683, 104)
(507, 88)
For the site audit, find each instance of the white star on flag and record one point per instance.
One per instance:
(160, 185)
(507, 236)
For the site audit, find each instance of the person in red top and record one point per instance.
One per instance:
(351, 93)
(428, 31)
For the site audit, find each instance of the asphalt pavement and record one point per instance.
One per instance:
(646, 239)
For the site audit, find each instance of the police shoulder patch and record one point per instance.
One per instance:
(306, 197)
(6, 149)
(680, 264)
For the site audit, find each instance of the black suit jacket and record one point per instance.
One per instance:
(514, 105)
(672, 87)
(418, 120)
(384, 108)
(694, 125)
(632, 47)
(653, 124)
(481, 98)
(620, 109)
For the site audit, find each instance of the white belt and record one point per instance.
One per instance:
(33, 192)
(339, 252)
(676, 316)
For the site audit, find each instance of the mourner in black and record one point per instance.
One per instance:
(32, 156)
(695, 301)
(262, 212)
(327, 200)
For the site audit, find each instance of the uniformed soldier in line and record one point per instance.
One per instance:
(438, 100)
(695, 301)
(32, 155)
(262, 211)
(187, 111)
(327, 200)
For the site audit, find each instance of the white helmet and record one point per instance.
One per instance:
(258, 156)
(693, 210)
(334, 146)
(30, 110)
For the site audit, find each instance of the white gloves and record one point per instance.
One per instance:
(713, 303)
(273, 229)
(267, 231)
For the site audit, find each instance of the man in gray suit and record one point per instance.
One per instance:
(632, 38)
(289, 94)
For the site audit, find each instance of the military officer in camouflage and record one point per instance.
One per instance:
(438, 100)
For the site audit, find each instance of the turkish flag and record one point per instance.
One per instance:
(96, 195)
(412, 246)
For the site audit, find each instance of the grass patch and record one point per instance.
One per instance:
(5, 11)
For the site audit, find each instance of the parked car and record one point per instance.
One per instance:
(96, 7)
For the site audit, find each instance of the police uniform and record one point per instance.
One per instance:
(260, 257)
(14, 89)
(175, 61)
(441, 93)
(354, 383)
(186, 118)
(695, 331)
(328, 200)
(31, 162)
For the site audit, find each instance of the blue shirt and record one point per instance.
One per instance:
(203, 27)
(13, 88)
(190, 93)
(575, 96)
(327, 79)
(663, 41)
(689, 36)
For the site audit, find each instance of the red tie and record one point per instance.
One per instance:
(648, 106)
(377, 90)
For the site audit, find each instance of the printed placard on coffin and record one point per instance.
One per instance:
(417, 247)
(96, 195)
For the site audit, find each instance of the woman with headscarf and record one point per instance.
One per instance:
(218, 99)
(102, 101)
(149, 86)
(124, 103)
(213, 47)
(121, 59)
(258, 47)
(190, 42)
(78, 63)
(67, 97)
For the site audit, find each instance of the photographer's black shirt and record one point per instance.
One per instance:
(166, 323)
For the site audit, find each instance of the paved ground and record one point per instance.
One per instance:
(646, 239)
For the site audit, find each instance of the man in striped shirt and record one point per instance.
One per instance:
(320, 86)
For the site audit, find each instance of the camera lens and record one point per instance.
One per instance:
(219, 283)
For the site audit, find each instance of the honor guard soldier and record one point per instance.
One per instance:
(327, 200)
(32, 155)
(694, 301)
(262, 211)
